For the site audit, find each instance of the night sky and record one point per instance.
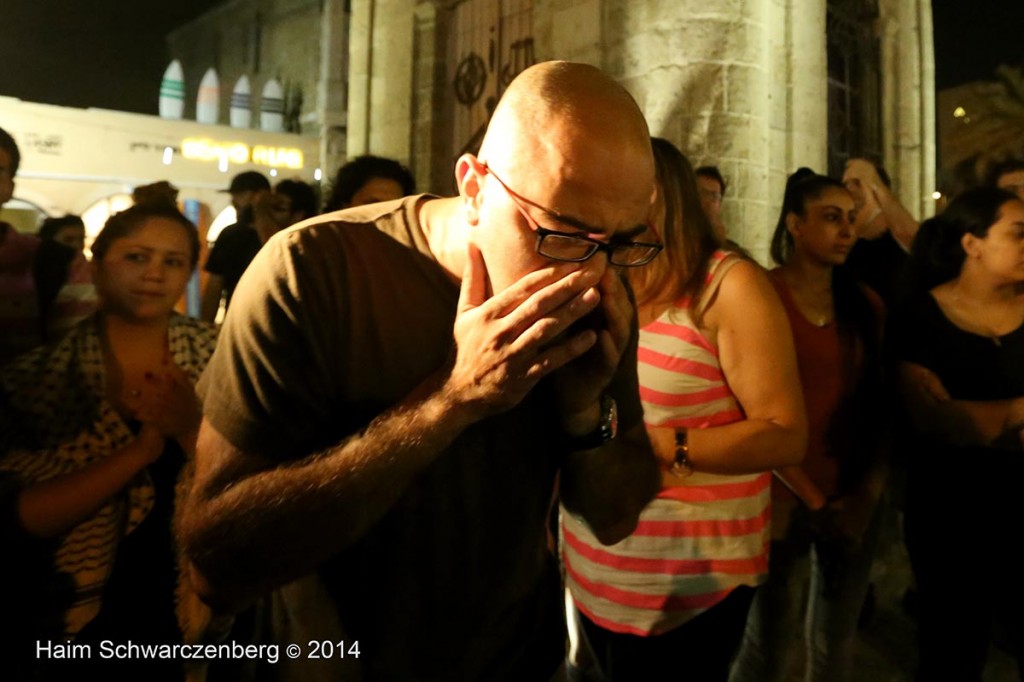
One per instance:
(973, 38)
(109, 54)
(93, 53)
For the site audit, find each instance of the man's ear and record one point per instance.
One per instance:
(468, 171)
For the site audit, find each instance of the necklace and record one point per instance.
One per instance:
(817, 314)
(817, 307)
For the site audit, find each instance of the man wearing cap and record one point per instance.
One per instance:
(236, 245)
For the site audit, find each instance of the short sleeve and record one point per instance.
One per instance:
(217, 261)
(271, 383)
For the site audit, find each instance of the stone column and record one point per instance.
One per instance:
(738, 83)
(431, 123)
(332, 87)
(908, 101)
(380, 78)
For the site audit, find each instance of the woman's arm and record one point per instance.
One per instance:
(755, 349)
(59, 504)
(994, 423)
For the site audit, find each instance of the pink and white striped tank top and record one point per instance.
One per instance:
(697, 542)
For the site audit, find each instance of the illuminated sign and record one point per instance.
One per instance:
(205, 149)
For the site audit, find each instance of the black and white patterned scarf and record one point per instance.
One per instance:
(60, 421)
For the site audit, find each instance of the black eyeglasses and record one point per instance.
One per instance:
(576, 248)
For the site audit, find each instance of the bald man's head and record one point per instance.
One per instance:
(558, 113)
(573, 148)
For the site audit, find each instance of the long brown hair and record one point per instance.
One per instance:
(686, 231)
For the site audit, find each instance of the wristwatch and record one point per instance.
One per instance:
(681, 466)
(606, 429)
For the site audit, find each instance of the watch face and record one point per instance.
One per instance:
(613, 418)
(609, 417)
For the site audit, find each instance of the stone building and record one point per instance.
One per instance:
(757, 87)
(301, 43)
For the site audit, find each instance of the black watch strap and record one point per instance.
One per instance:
(606, 429)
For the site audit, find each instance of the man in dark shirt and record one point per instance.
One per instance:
(236, 245)
(885, 231)
(399, 392)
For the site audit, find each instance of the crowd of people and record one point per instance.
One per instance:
(439, 438)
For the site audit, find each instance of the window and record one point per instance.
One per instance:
(854, 83)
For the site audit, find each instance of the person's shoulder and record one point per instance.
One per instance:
(394, 219)
(232, 235)
(45, 358)
(367, 213)
(743, 284)
(742, 275)
(193, 326)
(380, 216)
(233, 229)
(196, 338)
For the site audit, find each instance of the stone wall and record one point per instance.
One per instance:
(741, 84)
(381, 78)
(263, 39)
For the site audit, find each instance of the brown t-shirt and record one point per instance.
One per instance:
(336, 321)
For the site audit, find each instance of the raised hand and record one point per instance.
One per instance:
(580, 383)
(169, 403)
(506, 343)
(861, 175)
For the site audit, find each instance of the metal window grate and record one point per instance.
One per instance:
(854, 83)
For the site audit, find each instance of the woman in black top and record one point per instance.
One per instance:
(960, 348)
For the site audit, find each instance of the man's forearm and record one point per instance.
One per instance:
(250, 533)
(609, 486)
(901, 223)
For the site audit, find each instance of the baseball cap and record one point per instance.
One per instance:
(249, 181)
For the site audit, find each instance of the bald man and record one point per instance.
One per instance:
(403, 387)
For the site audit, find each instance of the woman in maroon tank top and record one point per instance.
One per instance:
(824, 510)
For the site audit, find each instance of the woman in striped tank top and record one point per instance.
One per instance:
(722, 404)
